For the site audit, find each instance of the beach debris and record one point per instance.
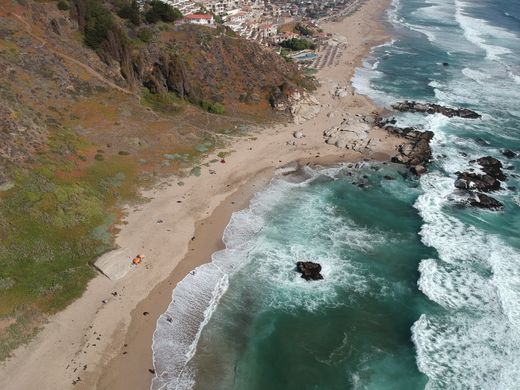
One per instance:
(104, 301)
(151, 371)
(309, 270)
(298, 134)
(222, 161)
(114, 293)
(145, 313)
(160, 221)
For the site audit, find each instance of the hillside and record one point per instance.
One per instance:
(92, 108)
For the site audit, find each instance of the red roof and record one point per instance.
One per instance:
(198, 16)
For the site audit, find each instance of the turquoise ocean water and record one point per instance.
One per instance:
(418, 292)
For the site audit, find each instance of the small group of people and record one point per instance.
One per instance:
(138, 260)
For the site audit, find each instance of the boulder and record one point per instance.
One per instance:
(309, 270)
(298, 134)
(508, 153)
(492, 167)
(484, 201)
(476, 181)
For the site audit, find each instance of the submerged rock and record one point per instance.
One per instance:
(309, 270)
(508, 153)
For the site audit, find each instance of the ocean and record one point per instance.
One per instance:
(419, 292)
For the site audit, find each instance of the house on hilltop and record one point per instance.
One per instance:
(200, 19)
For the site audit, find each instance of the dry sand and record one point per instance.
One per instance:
(108, 345)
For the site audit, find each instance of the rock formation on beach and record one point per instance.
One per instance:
(431, 108)
(309, 270)
(416, 154)
(351, 133)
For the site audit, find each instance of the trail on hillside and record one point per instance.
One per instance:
(86, 67)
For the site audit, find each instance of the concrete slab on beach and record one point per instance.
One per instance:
(114, 264)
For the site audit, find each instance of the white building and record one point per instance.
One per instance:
(201, 19)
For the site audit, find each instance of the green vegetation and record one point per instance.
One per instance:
(98, 22)
(53, 223)
(213, 107)
(63, 5)
(297, 44)
(164, 102)
(131, 12)
(159, 11)
(145, 34)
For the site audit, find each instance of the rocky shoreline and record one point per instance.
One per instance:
(431, 108)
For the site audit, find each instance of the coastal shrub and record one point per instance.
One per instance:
(98, 22)
(63, 5)
(131, 12)
(145, 34)
(159, 11)
(297, 44)
(165, 102)
(213, 107)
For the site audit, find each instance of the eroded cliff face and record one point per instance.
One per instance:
(198, 64)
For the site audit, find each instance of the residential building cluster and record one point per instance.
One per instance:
(258, 20)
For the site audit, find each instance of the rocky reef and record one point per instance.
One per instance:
(309, 270)
(474, 184)
(431, 108)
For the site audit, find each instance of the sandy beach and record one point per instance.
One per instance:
(108, 345)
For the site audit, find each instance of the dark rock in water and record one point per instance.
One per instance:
(508, 153)
(418, 170)
(488, 182)
(431, 108)
(445, 64)
(492, 167)
(484, 201)
(309, 270)
(481, 141)
(475, 181)
(386, 177)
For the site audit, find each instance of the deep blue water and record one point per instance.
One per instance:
(418, 292)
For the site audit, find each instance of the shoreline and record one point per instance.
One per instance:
(109, 345)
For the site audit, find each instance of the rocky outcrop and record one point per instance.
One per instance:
(484, 201)
(487, 182)
(309, 270)
(199, 64)
(492, 167)
(476, 183)
(431, 108)
(352, 133)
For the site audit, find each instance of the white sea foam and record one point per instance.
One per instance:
(479, 32)
(196, 297)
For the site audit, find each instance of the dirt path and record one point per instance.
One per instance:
(86, 67)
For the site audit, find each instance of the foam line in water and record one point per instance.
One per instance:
(478, 31)
(196, 297)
